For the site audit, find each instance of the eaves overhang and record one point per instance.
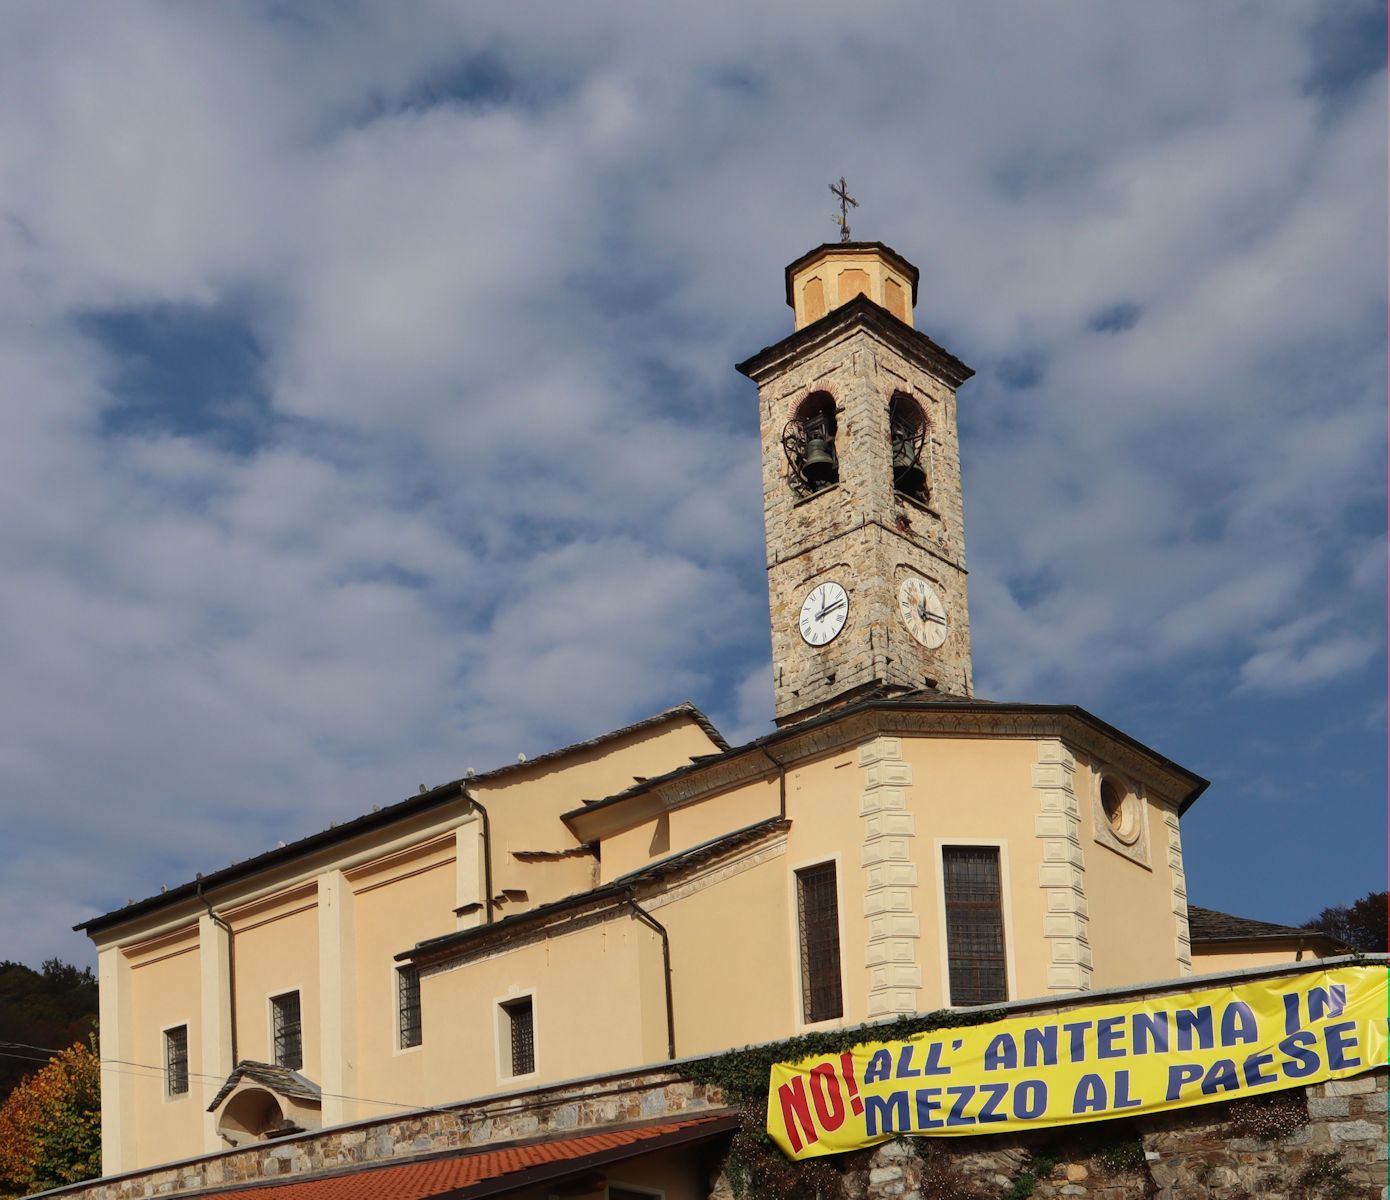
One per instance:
(766, 756)
(187, 894)
(612, 895)
(860, 313)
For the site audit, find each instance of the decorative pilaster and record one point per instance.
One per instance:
(895, 978)
(1183, 941)
(1062, 875)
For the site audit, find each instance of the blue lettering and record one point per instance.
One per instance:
(905, 1070)
(1340, 1038)
(1150, 1031)
(1107, 1034)
(927, 1104)
(1180, 1076)
(1002, 1052)
(1090, 1095)
(1220, 1077)
(933, 1064)
(880, 1067)
(1198, 1021)
(1030, 1099)
(1299, 1049)
(994, 1095)
(1077, 1030)
(1322, 1003)
(1122, 1099)
(957, 1114)
(1040, 1044)
(1291, 1022)
(1238, 1024)
(1253, 1063)
(887, 1114)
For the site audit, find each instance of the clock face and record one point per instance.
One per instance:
(922, 611)
(823, 613)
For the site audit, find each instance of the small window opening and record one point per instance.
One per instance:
(520, 1029)
(808, 441)
(974, 924)
(1121, 810)
(907, 430)
(176, 1060)
(408, 1006)
(287, 1031)
(819, 926)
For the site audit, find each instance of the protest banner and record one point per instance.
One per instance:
(1086, 1064)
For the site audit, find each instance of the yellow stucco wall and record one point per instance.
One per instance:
(331, 925)
(598, 1005)
(277, 952)
(1238, 958)
(1132, 926)
(164, 991)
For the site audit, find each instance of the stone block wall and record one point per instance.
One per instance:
(1325, 1142)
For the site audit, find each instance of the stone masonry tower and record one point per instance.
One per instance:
(861, 488)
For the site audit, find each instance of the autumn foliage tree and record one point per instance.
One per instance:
(50, 1125)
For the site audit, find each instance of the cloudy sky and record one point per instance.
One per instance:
(367, 408)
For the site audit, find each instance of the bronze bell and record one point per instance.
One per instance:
(908, 475)
(818, 467)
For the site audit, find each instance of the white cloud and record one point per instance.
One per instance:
(499, 265)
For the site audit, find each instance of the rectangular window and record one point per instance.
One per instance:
(289, 1041)
(974, 924)
(176, 1060)
(818, 916)
(408, 1006)
(520, 1030)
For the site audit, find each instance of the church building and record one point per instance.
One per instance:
(894, 846)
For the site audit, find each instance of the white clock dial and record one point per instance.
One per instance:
(922, 611)
(823, 613)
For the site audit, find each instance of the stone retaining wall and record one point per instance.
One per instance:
(573, 1108)
(1325, 1142)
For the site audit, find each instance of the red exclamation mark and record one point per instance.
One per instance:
(851, 1086)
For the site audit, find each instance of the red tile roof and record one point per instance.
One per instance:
(463, 1172)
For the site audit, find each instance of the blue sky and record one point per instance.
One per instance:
(338, 342)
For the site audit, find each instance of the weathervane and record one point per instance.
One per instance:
(846, 201)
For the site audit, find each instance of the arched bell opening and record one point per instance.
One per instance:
(907, 430)
(808, 440)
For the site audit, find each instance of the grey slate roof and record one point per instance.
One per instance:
(1209, 925)
(278, 1079)
(443, 794)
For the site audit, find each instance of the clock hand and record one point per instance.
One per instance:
(829, 608)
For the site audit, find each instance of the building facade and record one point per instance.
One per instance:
(895, 846)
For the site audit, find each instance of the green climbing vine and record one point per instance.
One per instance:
(756, 1167)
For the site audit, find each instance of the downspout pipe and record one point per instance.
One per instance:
(781, 783)
(231, 961)
(652, 923)
(487, 851)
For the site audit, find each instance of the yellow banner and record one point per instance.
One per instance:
(1086, 1064)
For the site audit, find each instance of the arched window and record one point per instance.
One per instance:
(808, 440)
(907, 430)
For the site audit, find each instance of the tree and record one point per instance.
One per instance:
(1362, 925)
(50, 1126)
(54, 1006)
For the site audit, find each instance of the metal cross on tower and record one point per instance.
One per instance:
(846, 202)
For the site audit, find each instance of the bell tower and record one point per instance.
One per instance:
(861, 488)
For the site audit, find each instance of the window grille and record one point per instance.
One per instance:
(522, 1030)
(176, 1060)
(408, 1006)
(974, 924)
(819, 920)
(289, 1040)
